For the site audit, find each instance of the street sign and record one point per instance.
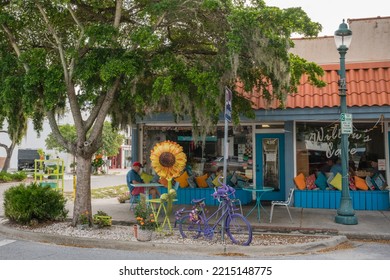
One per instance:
(346, 123)
(228, 104)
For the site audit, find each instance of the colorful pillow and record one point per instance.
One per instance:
(146, 177)
(336, 181)
(321, 181)
(300, 181)
(201, 181)
(360, 183)
(352, 185)
(369, 183)
(163, 182)
(210, 182)
(182, 180)
(191, 182)
(310, 182)
(378, 181)
(216, 181)
(330, 178)
(234, 179)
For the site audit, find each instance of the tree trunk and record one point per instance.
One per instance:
(82, 203)
(9, 152)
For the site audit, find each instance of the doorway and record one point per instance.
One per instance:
(270, 171)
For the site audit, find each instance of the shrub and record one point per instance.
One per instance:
(19, 176)
(101, 219)
(5, 177)
(27, 204)
(9, 177)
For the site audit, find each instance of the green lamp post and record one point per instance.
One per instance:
(345, 214)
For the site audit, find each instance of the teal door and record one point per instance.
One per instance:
(270, 164)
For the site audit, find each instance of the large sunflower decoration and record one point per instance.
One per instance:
(168, 160)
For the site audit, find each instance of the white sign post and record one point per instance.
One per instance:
(346, 123)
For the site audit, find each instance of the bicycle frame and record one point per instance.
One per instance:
(225, 208)
(195, 222)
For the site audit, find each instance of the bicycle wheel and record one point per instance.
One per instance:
(239, 229)
(188, 228)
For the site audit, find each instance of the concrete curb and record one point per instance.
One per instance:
(197, 249)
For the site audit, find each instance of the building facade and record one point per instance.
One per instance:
(279, 144)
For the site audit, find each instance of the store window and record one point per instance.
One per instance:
(211, 151)
(318, 143)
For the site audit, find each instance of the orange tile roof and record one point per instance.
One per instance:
(368, 84)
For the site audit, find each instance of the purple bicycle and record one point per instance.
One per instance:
(194, 222)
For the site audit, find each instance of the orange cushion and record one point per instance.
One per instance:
(163, 182)
(300, 181)
(182, 180)
(360, 183)
(201, 181)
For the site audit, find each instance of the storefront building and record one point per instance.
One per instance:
(279, 144)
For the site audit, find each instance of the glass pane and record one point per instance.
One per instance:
(271, 163)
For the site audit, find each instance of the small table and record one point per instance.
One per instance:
(259, 193)
(147, 186)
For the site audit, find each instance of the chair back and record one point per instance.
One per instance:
(290, 196)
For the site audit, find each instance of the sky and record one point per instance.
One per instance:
(330, 13)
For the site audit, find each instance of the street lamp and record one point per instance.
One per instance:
(345, 214)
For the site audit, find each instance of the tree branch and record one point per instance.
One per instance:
(101, 116)
(54, 127)
(14, 45)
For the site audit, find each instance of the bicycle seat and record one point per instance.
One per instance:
(195, 201)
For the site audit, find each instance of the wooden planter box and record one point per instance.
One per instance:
(362, 200)
(186, 195)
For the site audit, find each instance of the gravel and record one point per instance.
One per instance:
(126, 233)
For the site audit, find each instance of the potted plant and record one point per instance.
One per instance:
(146, 222)
(41, 154)
(102, 219)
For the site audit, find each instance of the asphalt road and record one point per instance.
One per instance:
(13, 249)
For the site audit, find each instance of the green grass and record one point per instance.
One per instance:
(107, 192)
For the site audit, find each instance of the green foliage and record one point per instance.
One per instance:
(27, 204)
(111, 138)
(101, 219)
(11, 177)
(144, 216)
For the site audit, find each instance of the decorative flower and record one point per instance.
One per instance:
(144, 216)
(168, 159)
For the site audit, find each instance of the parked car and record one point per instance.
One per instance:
(26, 158)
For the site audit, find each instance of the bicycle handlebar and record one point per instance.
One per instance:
(223, 191)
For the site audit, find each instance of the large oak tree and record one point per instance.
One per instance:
(127, 58)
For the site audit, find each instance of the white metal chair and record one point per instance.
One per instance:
(282, 203)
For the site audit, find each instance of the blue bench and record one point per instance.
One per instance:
(186, 195)
(330, 199)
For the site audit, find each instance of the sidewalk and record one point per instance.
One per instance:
(371, 224)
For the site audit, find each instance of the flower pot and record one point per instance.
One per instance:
(144, 235)
(102, 221)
